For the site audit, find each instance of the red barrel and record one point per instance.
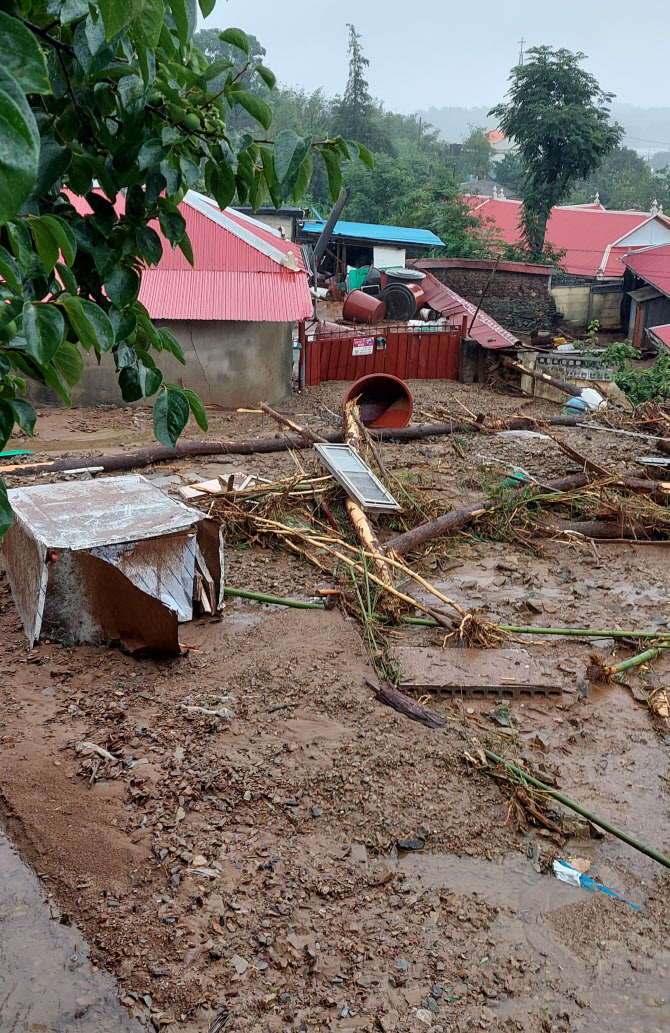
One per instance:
(417, 291)
(360, 307)
(384, 400)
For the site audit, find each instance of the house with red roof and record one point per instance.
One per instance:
(595, 240)
(647, 299)
(232, 311)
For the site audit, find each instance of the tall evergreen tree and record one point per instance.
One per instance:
(357, 116)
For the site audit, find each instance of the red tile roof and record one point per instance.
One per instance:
(653, 265)
(485, 330)
(242, 269)
(587, 234)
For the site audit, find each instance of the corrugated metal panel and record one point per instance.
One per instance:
(662, 332)
(230, 278)
(485, 330)
(411, 353)
(585, 234)
(372, 231)
(653, 265)
(277, 297)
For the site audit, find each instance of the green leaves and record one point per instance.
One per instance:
(184, 16)
(365, 156)
(19, 147)
(331, 159)
(6, 513)
(24, 414)
(197, 408)
(149, 245)
(21, 56)
(256, 107)
(69, 363)
(171, 221)
(289, 155)
(236, 38)
(47, 247)
(7, 423)
(10, 271)
(43, 330)
(89, 322)
(150, 379)
(117, 14)
(171, 412)
(122, 285)
(268, 77)
(149, 23)
(207, 6)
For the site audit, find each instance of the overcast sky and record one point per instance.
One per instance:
(439, 53)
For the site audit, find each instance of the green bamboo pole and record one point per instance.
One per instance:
(635, 661)
(593, 818)
(426, 622)
(299, 604)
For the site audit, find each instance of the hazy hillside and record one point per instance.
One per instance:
(647, 129)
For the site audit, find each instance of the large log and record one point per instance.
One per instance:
(161, 454)
(460, 517)
(659, 491)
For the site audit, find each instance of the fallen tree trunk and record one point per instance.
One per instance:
(560, 385)
(162, 454)
(606, 529)
(659, 491)
(403, 543)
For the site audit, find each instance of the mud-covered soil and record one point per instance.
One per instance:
(258, 868)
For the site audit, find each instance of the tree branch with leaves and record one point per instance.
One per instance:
(558, 116)
(108, 114)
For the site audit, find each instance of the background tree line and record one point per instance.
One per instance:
(416, 177)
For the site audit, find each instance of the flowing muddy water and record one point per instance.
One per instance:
(47, 983)
(622, 991)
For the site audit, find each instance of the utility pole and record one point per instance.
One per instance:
(521, 43)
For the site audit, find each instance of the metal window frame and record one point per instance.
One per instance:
(328, 455)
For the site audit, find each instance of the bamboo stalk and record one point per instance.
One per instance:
(635, 661)
(567, 802)
(259, 597)
(573, 632)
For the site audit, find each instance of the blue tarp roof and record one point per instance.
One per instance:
(384, 234)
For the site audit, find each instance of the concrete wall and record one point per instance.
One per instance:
(579, 306)
(227, 363)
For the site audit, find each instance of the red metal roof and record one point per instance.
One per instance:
(662, 332)
(241, 271)
(586, 234)
(485, 330)
(653, 265)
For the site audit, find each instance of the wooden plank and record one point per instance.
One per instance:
(412, 364)
(433, 343)
(453, 354)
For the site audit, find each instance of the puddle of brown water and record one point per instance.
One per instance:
(47, 984)
(514, 884)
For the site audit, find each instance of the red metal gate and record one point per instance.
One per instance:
(411, 353)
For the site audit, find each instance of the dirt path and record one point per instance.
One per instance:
(252, 867)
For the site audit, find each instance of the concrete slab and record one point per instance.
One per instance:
(475, 673)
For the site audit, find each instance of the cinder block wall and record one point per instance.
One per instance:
(227, 363)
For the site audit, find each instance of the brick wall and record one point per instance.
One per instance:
(520, 302)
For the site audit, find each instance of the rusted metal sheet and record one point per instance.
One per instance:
(73, 545)
(410, 353)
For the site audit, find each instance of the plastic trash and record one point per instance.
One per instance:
(566, 873)
(575, 407)
(593, 398)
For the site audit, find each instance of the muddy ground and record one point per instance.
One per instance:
(258, 868)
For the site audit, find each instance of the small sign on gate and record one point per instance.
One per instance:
(363, 346)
